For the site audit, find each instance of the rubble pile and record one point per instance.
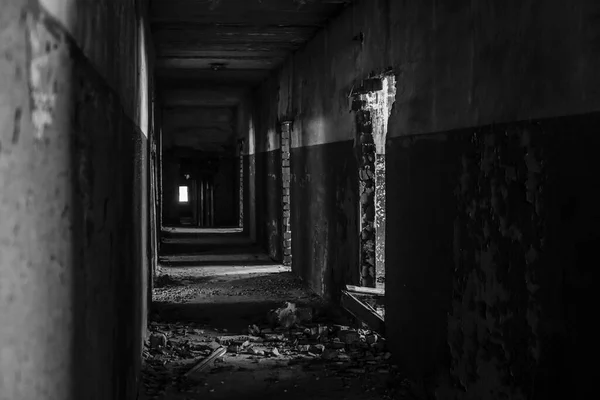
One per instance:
(170, 351)
(290, 334)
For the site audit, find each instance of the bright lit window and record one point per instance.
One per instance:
(183, 194)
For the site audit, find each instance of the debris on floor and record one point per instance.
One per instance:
(173, 349)
(298, 345)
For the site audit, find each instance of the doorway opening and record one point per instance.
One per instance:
(241, 184)
(372, 102)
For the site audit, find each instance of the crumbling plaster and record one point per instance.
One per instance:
(493, 327)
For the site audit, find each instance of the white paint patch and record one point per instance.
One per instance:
(41, 77)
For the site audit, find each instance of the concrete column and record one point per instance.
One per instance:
(37, 245)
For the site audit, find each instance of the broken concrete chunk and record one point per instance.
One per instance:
(157, 340)
(253, 330)
(257, 351)
(317, 348)
(234, 348)
(274, 337)
(284, 316)
(211, 345)
(303, 348)
(371, 339)
(289, 315)
(348, 336)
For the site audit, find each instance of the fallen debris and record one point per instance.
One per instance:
(289, 315)
(296, 333)
(362, 311)
(157, 340)
(365, 290)
(206, 362)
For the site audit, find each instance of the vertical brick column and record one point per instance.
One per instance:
(241, 183)
(380, 220)
(285, 178)
(366, 182)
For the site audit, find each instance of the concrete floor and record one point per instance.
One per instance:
(209, 247)
(196, 304)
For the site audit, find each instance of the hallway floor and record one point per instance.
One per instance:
(311, 352)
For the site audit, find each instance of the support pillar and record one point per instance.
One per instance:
(286, 128)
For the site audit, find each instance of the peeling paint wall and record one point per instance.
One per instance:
(495, 306)
(73, 245)
(484, 302)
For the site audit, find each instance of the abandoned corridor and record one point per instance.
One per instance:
(417, 174)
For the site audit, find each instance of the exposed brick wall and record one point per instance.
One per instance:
(366, 187)
(285, 178)
(241, 184)
(380, 220)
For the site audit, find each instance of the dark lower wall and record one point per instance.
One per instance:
(170, 195)
(268, 203)
(226, 182)
(490, 245)
(324, 193)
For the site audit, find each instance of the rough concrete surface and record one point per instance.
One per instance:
(463, 265)
(71, 159)
(502, 214)
(229, 302)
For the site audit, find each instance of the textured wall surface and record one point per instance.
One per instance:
(72, 241)
(490, 283)
(480, 304)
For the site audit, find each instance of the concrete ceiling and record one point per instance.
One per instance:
(249, 38)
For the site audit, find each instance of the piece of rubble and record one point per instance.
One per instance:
(253, 330)
(257, 351)
(348, 336)
(226, 340)
(317, 349)
(157, 340)
(289, 315)
(303, 348)
(284, 316)
(371, 338)
(329, 354)
(273, 337)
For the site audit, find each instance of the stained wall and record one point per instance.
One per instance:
(490, 194)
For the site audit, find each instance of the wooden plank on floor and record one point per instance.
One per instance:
(365, 290)
(363, 312)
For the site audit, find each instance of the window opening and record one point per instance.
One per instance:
(183, 194)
